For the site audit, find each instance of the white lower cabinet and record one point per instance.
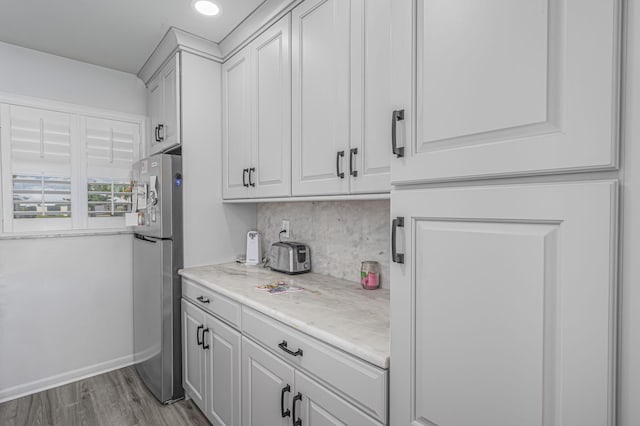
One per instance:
(211, 357)
(265, 373)
(275, 393)
(267, 386)
(193, 356)
(315, 405)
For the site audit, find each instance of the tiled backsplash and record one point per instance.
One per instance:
(341, 234)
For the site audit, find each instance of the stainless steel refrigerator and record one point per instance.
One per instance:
(157, 257)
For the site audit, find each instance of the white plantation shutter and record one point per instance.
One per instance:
(40, 144)
(40, 141)
(111, 147)
(65, 166)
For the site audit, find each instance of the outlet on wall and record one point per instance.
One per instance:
(285, 228)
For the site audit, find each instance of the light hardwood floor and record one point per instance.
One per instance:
(117, 398)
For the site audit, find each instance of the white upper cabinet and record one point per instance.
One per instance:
(314, 117)
(504, 87)
(163, 103)
(271, 109)
(369, 153)
(236, 128)
(320, 96)
(257, 117)
(155, 109)
(503, 311)
(341, 54)
(170, 77)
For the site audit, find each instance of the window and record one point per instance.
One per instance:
(41, 197)
(109, 147)
(108, 197)
(64, 170)
(39, 172)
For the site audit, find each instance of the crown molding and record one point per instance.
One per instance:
(269, 12)
(178, 40)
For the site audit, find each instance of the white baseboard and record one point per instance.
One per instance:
(62, 379)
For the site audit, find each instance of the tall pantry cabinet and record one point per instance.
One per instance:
(503, 88)
(503, 302)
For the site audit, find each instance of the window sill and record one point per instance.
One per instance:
(65, 233)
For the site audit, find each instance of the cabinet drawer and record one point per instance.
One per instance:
(212, 302)
(358, 381)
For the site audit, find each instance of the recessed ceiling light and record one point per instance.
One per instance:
(206, 7)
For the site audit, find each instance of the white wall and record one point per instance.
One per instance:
(629, 345)
(213, 232)
(65, 310)
(31, 73)
(65, 303)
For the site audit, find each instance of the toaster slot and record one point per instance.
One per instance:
(302, 254)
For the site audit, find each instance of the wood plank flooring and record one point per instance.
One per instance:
(117, 398)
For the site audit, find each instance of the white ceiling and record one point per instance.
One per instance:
(119, 34)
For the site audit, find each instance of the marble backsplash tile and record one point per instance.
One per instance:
(340, 234)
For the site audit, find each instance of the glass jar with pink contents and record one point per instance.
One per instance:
(370, 275)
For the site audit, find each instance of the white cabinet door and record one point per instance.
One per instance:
(504, 311)
(170, 78)
(222, 345)
(193, 357)
(315, 405)
(504, 87)
(236, 125)
(267, 386)
(320, 97)
(163, 101)
(271, 111)
(155, 109)
(370, 152)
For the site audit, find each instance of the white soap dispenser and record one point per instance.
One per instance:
(254, 250)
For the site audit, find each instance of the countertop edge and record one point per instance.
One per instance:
(350, 348)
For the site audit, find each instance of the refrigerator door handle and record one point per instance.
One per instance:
(146, 239)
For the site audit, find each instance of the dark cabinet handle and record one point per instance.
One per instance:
(296, 421)
(284, 413)
(244, 178)
(157, 137)
(283, 345)
(160, 135)
(395, 224)
(339, 155)
(397, 115)
(203, 299)
(200, 327)
(352, 171)
(204, 342)
(251, 171)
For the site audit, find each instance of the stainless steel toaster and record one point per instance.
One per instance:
(290, 257)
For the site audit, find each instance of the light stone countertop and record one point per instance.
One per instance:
(335, 311)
